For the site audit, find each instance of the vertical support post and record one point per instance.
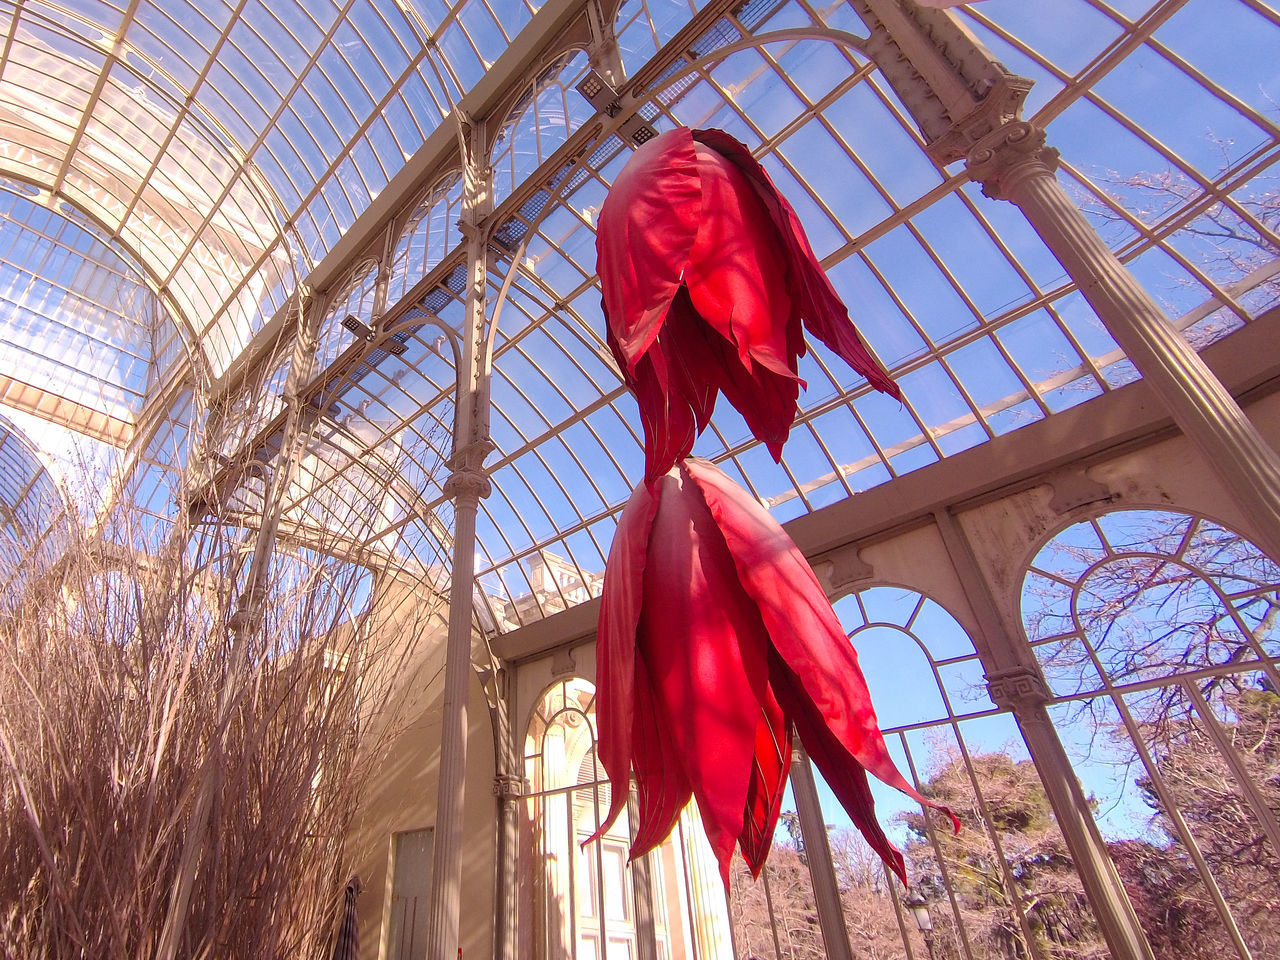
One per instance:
(382, 280)
(603, 51)
(1022, 692)
(1014, 683)
(826, 891)
(1012, 163)
(509, 788)
(467, 485)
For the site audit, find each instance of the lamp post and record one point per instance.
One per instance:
(924, 922)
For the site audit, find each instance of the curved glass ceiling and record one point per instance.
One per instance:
(83, 338)
(268, 133)
(229, 146)
(31, 510)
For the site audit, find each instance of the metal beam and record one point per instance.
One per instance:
(49, 406)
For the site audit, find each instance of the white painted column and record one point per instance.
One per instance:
(467, 487)
(1022, 692)
(510, 788)
(1012, 163)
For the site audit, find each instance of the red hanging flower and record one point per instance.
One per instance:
(708, 279)
(716, 641)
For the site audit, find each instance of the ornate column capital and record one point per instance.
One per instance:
(248, 612)
(1017, 688)
(470, 483)
(1009, 154)
(471, 228)
(510, 787)
(840, 570)
(468, 477)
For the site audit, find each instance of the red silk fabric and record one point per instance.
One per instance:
(709, 283)
(715, 642)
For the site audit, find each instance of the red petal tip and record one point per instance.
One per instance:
(899, 868)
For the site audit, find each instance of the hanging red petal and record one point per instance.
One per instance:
(684, 343)
(824, 314)
(662, 786)
(620, 606)
(802, 626)
(702, 641)
(842, 772)
(670, 424)
(644, 233)
(736, 271)
(766, 401)
(770, 766)
(675, 386)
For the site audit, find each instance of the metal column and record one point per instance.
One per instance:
(826, 891)
(1014, 683)
(467, 485)
(1012, 163)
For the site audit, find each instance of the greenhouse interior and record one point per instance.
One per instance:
(314, 442)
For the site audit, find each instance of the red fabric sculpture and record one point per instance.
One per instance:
(708, 278)
(715, 639)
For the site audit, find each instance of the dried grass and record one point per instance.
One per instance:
(129, 689)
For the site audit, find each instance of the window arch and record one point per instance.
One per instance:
(428, 236)
(33, 514)
(543, 118)
(240, 419)
(584, 902)
(355, 300)
(1158, 632)
(1095, 590)
(1005, 885)
(82, 320)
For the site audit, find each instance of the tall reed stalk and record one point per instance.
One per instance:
(112, 666)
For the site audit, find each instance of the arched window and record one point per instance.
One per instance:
(585, 902)
(357, 302)
(1157, 632)
(241, 417)
(548, 112)
(1004, 886)
(157, 479)
(428, 236)
(33, 514)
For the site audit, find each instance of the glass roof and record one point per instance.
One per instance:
(1169, 140)
(229, 146)
(82, 335)
(31, 509)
